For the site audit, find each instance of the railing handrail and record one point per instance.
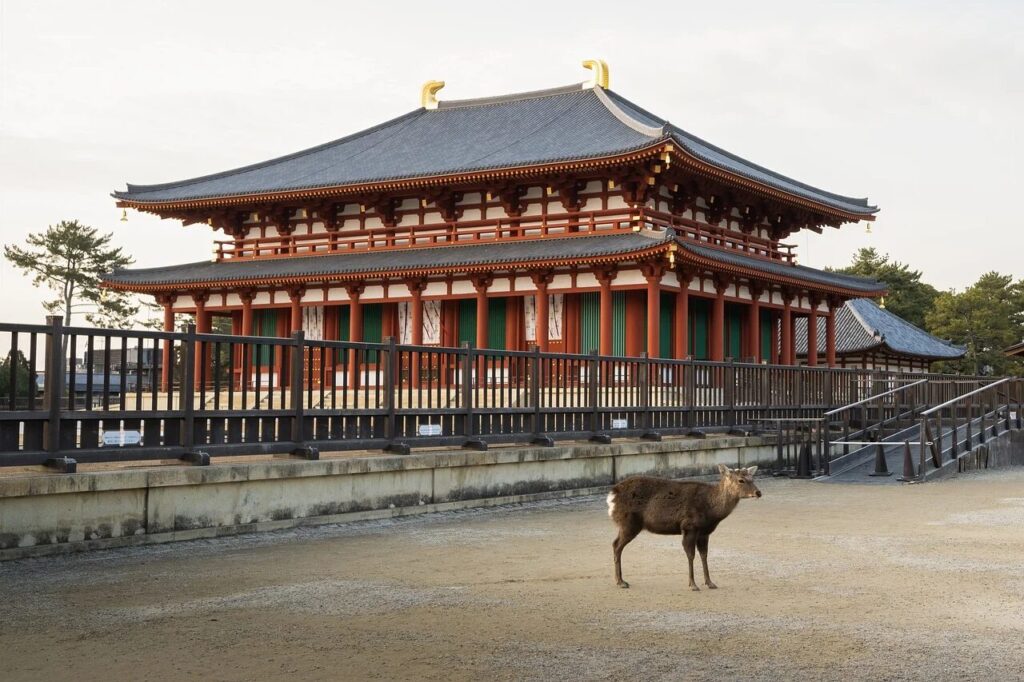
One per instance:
(874, 397)
(960, 397)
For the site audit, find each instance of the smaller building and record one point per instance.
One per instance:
(1015, 351)
(870, 337)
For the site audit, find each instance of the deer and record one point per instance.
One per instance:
(665, 507)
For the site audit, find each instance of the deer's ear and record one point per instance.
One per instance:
(752, 470)
(722, 469)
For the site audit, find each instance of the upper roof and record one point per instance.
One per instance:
(571, 123)
(862, 325)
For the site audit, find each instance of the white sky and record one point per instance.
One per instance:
(915, 104)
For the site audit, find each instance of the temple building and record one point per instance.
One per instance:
(870, 337)
(568, 218)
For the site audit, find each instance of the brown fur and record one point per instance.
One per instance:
(688, 508)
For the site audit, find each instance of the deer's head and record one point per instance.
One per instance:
(739, 482)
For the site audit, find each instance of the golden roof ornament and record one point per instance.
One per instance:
(124, 215)
(600, 69)
(882, 303)
(428, 95)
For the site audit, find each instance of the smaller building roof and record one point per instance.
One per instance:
(1016, 349)
(861, 325)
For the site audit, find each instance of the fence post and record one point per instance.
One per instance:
(392, 387)
(469, 362)
(730, 392)
(594, 378)
(298, 376)
(646, 388)
(535, 374)
(188, 401)
(53, 392)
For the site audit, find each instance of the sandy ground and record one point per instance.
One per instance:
(816, 582)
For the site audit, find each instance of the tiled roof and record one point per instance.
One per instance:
(564, 124)
(862, 325)
(381, 262)
(783, 269)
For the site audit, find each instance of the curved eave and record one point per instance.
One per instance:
(660, 248)
(404, 184)
(762, 275)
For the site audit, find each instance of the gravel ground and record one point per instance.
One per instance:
(816, 582)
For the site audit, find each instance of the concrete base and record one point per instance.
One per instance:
(56, 513)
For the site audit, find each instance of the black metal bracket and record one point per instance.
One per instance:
(652, 436)
(698, 433)
(197, 458)
(602, 438)
(306, 452)
(398, 447)
(64, 465)
(475, 444)
(543, 441)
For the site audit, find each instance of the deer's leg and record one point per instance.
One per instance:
(689, 544)
(702, 547)
(627, 531)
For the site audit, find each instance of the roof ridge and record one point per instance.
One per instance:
(852, 305)
(513, 97)
(270, 162)
(626, 119)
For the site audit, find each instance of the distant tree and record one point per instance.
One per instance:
(908, 296)
(69, 259)
(986, 317)
(22, 376)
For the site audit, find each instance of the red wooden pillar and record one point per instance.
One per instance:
(416, 287)
(652, 273)
(754, 323)
(246, 351)
(355, 329)
(202, 327)
(167, 300)
(605, 276)
(295, 296)
(681, 335)
(718, 321)
(812, 334)
(481, 283)
(541, 280)
(830, 335)
(786, 355)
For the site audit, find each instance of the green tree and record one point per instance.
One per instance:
(69, 258)
(986, 317)
(21, 375)
(908, 296)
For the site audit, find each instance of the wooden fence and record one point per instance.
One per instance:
(75, 393)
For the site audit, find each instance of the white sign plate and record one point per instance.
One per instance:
(620, 424)
(430, 430)
(122, 437)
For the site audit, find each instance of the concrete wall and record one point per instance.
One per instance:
(1005, 450)
(51, 513)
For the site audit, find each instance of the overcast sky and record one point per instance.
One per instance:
(917, 105)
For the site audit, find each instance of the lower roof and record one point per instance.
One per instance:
(861, 325)
(477, 257)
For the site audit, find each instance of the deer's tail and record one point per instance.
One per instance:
(611, 503)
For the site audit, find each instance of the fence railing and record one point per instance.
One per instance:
(967, 420)
(189, 395)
